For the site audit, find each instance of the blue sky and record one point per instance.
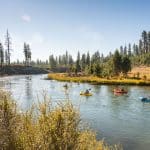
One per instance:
(54, 26)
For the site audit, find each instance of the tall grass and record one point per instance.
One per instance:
(45, 127)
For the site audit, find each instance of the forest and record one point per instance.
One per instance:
(121, 61)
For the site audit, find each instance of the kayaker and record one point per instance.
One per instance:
(66, 86)
(122, 89)
(87, 91)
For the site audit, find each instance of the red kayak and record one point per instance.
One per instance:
(120, 91)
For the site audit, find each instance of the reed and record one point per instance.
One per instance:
(45, 127)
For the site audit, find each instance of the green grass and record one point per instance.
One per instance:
(97, 80)
(45, 127)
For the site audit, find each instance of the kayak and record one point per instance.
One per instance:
(85, 94)
(120, 91)
(65, 86)
(145, 99)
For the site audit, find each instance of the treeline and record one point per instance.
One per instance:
(126, 56)
(121, 61)
(95, 64)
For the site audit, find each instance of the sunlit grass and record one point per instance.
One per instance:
(45, 127)
(97, 80)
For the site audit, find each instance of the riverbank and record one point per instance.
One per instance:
(21, 70)
(97, 80)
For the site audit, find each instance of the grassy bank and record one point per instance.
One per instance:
(49, 128)
(97, 80)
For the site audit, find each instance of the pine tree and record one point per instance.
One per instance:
(1, 55)
(110, 54)
(97, 57)
(83, 62)
(70, 61)
(59, 60)
(96, 69)
(126, 65)
(125, 50)
(117, 62)
(141, 50)
(78, 67)
(66, 61)
(25, 50)
(102, 57)
(148, 40)
(121, 50)
(27, 54)
(88, 59)
(134, 49)
(129, 50)
(52, 62)
(137, 49)
(145, 43)
(6, 57)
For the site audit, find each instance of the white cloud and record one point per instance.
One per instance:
(26, 18)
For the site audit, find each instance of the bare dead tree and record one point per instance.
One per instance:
(8, 44)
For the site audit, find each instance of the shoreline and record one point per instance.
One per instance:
(96, 80)
(21, 70)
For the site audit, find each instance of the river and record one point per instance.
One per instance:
(118, 119)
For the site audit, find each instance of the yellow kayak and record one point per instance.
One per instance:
(85, 94)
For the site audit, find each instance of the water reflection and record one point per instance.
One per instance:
(2, 83)
(28, 91)
(66, 91)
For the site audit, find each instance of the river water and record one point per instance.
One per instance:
(118, 119)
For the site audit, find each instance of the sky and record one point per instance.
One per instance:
(54, 26)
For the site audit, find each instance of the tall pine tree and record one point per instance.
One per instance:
(1, 55)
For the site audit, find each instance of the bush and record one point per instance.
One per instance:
(50, 128)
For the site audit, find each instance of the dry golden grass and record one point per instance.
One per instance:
(49, 128)
(97, 80)
(142, 70)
